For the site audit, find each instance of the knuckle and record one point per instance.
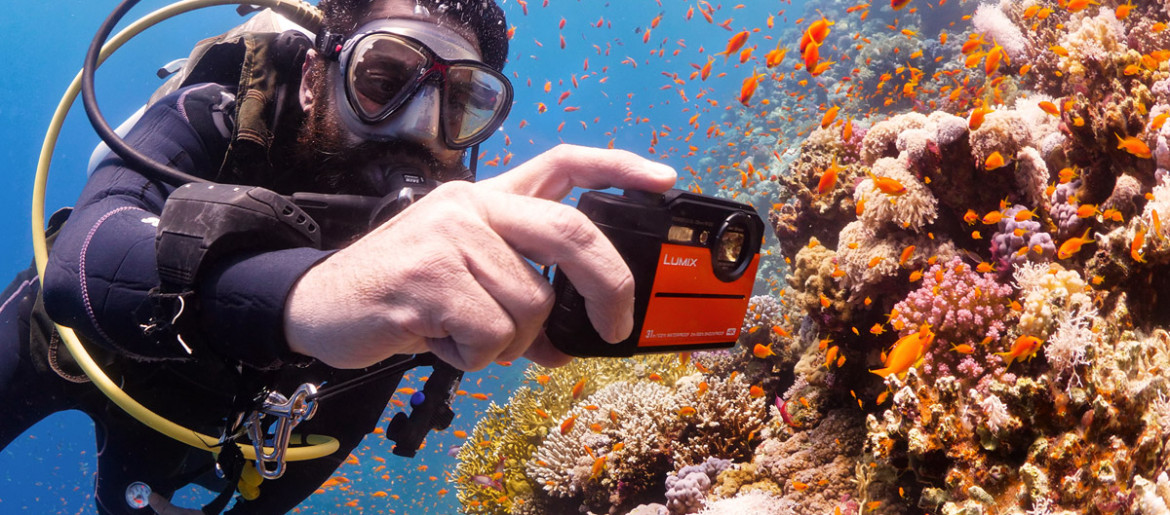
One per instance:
(564, 153)
(576, 228)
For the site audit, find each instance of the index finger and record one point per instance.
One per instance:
(553, 174)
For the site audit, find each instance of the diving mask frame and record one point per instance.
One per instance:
(417, 107)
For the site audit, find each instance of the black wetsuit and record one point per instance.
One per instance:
(101, 267)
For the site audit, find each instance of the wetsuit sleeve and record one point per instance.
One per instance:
(102, 265)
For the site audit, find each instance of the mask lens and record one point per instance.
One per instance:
(382, 70)
(474, 100)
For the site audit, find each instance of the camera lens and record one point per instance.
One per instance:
(736, 242)
(730, 246)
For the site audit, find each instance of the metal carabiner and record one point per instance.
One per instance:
(288, 412)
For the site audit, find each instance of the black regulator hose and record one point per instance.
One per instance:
(133, 158)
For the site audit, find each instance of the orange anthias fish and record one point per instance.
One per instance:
(887, 185)
(763, 351)
(705, 71)
(907, 351)
(906, 254)
(774, 58)
(819, 30)
(567, 425)
(811, 55)
(1135, 247)
(1123, 10)
(994, 161)
(899, 4)
(976, 119)
(749, 87)
(1025, 348)
(1133, 145)
(830, 115)
(1073, 245)
(828, 178)
(994, 56)
(734, 44)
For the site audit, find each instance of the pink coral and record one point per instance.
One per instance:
(963, 307)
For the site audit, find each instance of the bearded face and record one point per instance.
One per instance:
(334, 160)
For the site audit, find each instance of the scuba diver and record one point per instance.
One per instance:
(389, 93)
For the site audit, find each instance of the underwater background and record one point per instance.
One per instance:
(958, 308)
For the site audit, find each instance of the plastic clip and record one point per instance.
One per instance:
(288, 412)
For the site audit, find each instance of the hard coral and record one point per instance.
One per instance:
(881, 139)
(809, 212)
(641, 415)
(1015, 243)
(961, 305)
(813, 278)
(686, 490)
(725, 422)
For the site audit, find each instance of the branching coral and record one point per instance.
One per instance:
(642, 416)
(507, 436)
(960, 304)
(812, 468)
(726, 419)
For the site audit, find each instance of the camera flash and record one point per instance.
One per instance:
(680, 234)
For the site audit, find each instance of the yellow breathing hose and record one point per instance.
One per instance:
(300, 13)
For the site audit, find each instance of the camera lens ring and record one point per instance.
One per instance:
(740, 222)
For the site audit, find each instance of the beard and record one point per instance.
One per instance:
(324, 157)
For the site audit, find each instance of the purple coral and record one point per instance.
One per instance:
(1064, 213)
(963, 307)
(686, 490)
(1012, 236)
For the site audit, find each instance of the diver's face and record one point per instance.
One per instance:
(349, 161)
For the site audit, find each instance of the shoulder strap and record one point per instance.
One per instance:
(262, 62)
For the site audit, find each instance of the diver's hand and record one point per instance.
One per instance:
(163, 506)
(448, 274)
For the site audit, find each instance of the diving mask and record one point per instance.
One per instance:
(388, 65)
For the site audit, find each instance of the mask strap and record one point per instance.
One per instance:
(474, 161)
(329, 44)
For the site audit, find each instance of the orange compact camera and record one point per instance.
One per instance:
(694, 261)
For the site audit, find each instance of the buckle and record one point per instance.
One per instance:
(329, 44)
(288, 412)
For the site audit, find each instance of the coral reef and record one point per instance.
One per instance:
(1006, 194)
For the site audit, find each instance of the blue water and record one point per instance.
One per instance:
(50, 469)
